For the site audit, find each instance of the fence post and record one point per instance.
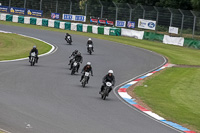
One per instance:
(156, 17)
(85, 9)
(9, 3)
(70, 10)
(182, 21)
(40, 4)
(130, 11)
(56, 6)
(143, 11)
(194, 24)
(171, 17)
(24, 3)
(101, 8)
(116, 10)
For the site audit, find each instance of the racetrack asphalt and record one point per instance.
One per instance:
(46, 99)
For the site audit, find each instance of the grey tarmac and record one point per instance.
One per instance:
(47, 99)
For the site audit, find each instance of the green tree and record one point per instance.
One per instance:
(196, 4)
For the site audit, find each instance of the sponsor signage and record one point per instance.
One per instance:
(55, 15)
(16, 10)
(120, 23)
(80, 18)
(67, 17)
(36, 13)
(131, 24)
(71, 17)
(173, 30)
(93, 20)
(4, 9)
(109, 22)
(101, 21)
(147, 24)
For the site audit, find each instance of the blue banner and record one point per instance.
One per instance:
(131, 24)
(80, 18)
(71, 17)
(55, 15)
(67, 17)
(120, 23)
(4, 9)
(36, 13)
(16, 10)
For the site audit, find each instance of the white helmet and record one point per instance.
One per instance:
(88, 63)
(89, 39)
(110, 71)
(34, 46)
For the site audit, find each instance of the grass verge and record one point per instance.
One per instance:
(175, 54)
(174, 94)
(14, 46)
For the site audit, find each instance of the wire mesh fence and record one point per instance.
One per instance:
(187, 21)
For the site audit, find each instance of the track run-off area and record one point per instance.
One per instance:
(47, 99)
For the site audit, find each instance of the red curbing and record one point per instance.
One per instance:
(140, 107)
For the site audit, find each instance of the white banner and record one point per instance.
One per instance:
(95, 29)
(39, 21)
(51, 23)
(120, 23)
(15, 18)
(71, 17)
(132, 33)
(62, 25)
(27, 20)
(147, 24)
(173, 30)
(173, 40)
(106, 30)
(85, 27)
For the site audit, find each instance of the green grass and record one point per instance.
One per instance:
(175, 95)
(175, 54)
(13, 46)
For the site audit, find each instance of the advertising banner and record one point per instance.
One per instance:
(4, 9)
(67, 17)
(94, 20)
(36, 13)
(16, 10)
(173, 40)
(80, 18)
(55, 15)
(71, 17)
(120, 23)
(147, 24)
(173, 30)
(109, 22)
(131, 24)
(101, 21)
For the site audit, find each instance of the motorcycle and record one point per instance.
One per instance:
(90, 49)
(71, 60)
(68, 39)
(74, 67)
(105, 92)
(33, 59)
(85, 79)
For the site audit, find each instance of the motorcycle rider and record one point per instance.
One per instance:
(73, 55)
(78, 58)
(67, 34)
(34, 49)
(108, 78)
(89, 42)
(86, 68)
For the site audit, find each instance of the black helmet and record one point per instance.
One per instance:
(76, 51)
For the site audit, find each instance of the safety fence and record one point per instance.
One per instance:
(187, 21)
(180, 41)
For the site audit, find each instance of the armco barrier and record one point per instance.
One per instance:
(94, 29)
